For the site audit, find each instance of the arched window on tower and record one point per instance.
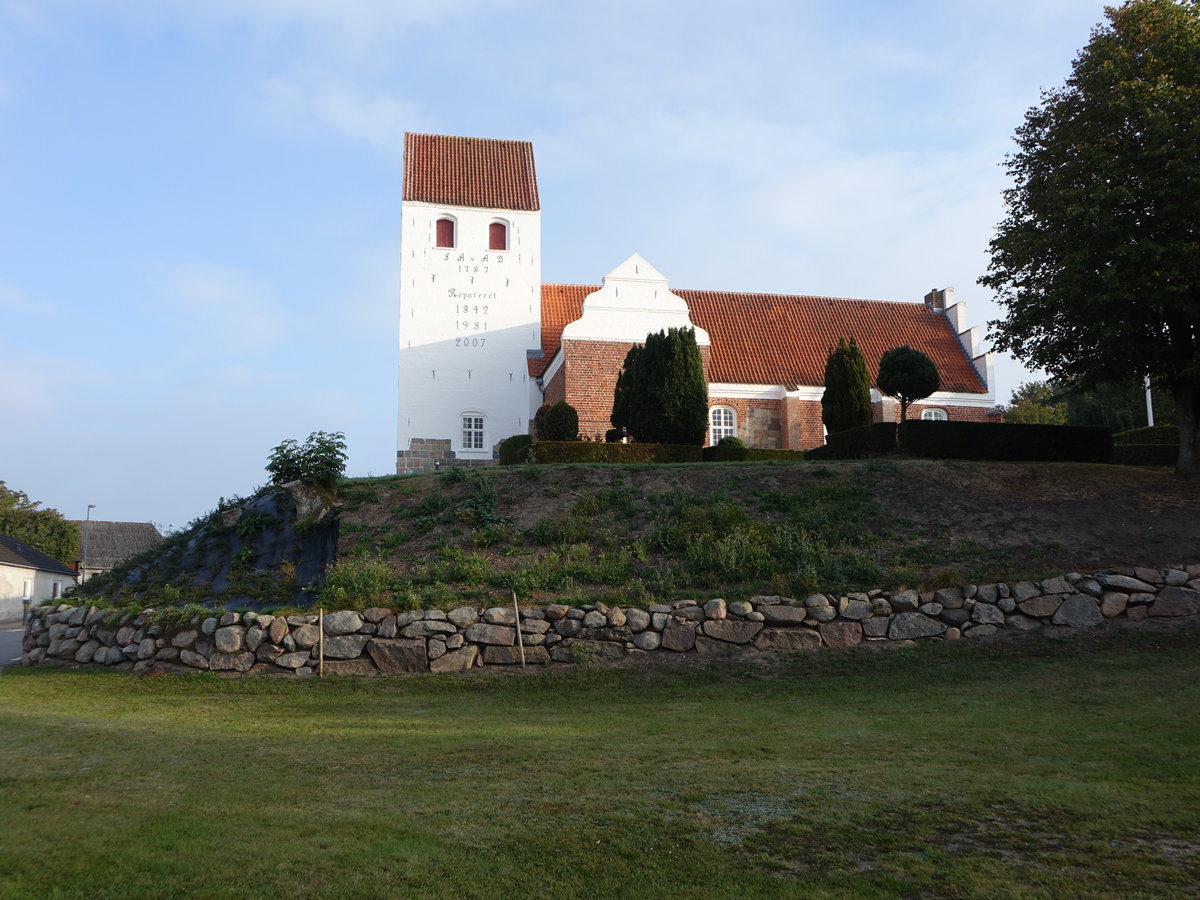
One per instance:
(497, 236)
(445, 232)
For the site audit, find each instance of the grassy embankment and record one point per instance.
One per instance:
(638, 534)
(1044, 769)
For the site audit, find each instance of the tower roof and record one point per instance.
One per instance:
(463, 171)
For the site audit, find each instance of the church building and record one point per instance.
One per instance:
(484, 342)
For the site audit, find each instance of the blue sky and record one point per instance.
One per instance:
(199, 246)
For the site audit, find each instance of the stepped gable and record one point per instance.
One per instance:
(785, 339)
(463, 171)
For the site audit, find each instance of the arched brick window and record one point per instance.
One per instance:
(497, 236)
(934, 415)
(722, 422)
(445, 232)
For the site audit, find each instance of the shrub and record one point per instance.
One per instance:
(580, 451)
(985, 440)
(559, 422)
(320, 460)
(731, 441)
(514, 450)
(876, 439)
(1164, 435)
(729, 453)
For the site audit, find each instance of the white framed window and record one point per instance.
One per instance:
(27, 589)
(472, 431)
(722, 423)
(934, 415)
(55, 590)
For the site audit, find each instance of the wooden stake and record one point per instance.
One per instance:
(321, 642)
(520, 640)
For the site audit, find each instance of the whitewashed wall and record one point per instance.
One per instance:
(468, 316)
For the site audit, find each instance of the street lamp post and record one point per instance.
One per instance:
(87, 531)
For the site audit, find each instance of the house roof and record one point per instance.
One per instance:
(111, 543)
(18, 553)
(785, 339)
(463, 171)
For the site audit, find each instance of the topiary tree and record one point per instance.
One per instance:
(558, 422)
(907, 374)
(661, 396)
(846, 402)
(320, 460)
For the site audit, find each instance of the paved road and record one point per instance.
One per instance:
(10, 644)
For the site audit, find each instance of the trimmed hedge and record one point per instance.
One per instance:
(1146, 454)
(1163, 435)
(727, 453)
(593, 452)
(876, 439)
(514, 450)
(988, 440)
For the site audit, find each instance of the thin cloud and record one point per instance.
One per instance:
(377, 119)
(16, 301)
(222, 306)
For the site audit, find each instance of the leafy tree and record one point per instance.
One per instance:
(320, 460)
(846, 402)
(557, 422)
(1098, 261)
(1036, 403)
(907, 374)
(661, 396)
(43, 529)
(1120, 407)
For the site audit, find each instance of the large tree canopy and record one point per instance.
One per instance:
(42, 529)
(1098, 262)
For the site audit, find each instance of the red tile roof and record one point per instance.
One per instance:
(785, 339)
(463, 171)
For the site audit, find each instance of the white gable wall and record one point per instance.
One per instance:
(633, 301)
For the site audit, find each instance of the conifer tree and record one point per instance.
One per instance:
(661, 396)
(846, 402)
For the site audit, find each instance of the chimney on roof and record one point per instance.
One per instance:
(938, 301)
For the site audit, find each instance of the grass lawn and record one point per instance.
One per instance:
(1038, 769)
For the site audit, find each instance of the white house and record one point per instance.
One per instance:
(28, 576)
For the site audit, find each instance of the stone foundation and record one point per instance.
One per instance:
(384, 641)
(429, 455)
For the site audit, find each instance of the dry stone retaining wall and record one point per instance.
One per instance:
(384, 641)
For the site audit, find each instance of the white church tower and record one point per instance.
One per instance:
(470, 299)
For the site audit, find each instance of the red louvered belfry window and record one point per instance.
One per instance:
(497, 236)
(445, 232)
